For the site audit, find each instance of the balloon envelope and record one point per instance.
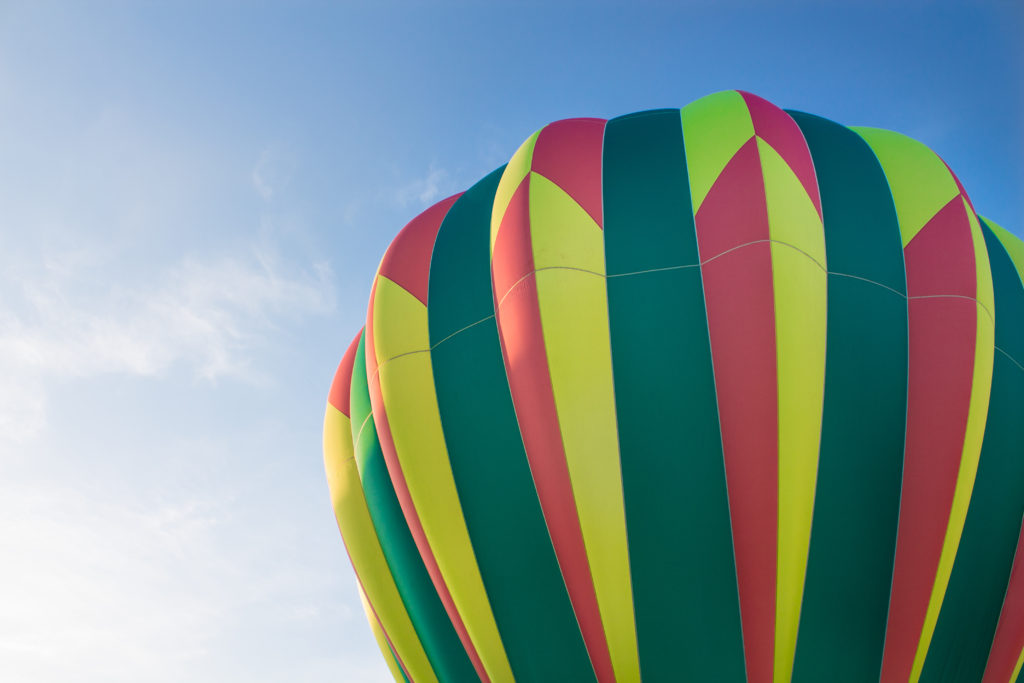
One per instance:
(725, 393)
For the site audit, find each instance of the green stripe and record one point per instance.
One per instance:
(513, 550)
(394, 658)
(673, 474)
(429, 618)
(856, 509)
(974, 597)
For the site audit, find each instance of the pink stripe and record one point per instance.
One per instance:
(739, 296)
(942, 331)
(568, 153)
(407, 260)
(526, 364)
(779, 130)
(340, 395)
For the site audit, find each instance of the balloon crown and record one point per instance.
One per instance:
(725, 393)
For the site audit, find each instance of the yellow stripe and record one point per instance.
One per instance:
(382, 642)
(517, 169)
(561, 232)
(360, 538)
(410, 403)
(981, 386)
(397, 332)
(792, 218)
(800, 292)
(1016, 669)
(574, 317)
(920, 183)
(800, 287)
(1013, 245)
(714, 129)
(985, 295)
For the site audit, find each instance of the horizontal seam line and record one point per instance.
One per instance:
(1012, 359)
(956, 296)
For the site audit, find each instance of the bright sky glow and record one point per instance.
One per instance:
(194, 197)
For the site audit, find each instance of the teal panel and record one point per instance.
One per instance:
(970, 609)
(860, 215)
(513, 550)
(649, 174)
(677, 510)
(856, 508)
(428, 616)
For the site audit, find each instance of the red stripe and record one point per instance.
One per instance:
(340, 395)
(941, 367)
(1009, 638)
(526, 364)
(939, 261)
(779, 130)
(407, 260)
(513, 253)
(568, 153)
(387, 445)
(730, 216)
(940, 258)
(739, 297)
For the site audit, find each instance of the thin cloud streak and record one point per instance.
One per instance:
(209, 316)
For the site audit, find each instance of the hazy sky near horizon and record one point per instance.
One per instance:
(194, 197)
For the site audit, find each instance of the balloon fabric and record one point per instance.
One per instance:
(725, 393)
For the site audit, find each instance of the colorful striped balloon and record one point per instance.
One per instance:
(725, 393)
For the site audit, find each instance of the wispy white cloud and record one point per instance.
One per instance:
(424, 190)
(103, 588)
(208, 316)
(272, 172)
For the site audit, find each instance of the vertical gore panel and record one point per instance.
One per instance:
(1004, 660)
(680, 546)
(800, 286)
(435, 630)
(382, 640)
(408, 401)
(568, 255)
(360, 535)
(856, 507)
(949, 378)
(970, 610)
(526, 365)
(733, 235)
(517, 562)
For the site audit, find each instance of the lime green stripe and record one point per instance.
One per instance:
(1013, 245)
(856, 506)
(911, 166)
(715, 127)
(677, 512)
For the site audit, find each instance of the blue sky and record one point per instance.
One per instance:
(194, 197)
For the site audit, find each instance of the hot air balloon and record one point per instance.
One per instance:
(725, 393)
